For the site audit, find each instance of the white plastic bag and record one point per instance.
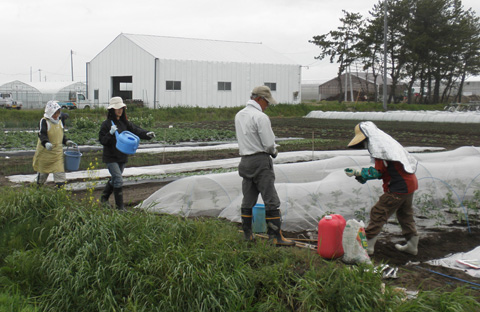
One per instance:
(353, 243)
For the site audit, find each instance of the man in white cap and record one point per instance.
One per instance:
(116, 160)
(256, 143)
(396, 167)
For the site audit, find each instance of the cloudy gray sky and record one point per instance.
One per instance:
(38, 35)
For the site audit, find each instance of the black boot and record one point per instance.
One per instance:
(247, 224)
(118, 193)
(107, 191)
(274, 225)
(60, 185)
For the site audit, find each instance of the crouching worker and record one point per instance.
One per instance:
(256, 143)
(396, 167)
(48, 156)
(116, 160)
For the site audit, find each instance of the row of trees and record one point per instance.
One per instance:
(435, 43)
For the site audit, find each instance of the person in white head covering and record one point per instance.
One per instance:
(48, 156)
(396, 167)
(116, 160)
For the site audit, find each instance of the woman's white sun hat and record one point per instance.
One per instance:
(116, 103)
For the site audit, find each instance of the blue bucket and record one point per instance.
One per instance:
(258, 219)
(72, 159)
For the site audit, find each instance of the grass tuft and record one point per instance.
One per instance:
(79, 256)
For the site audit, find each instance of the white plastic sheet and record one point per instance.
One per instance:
(420, 116)
(309, 190)
(452, 262)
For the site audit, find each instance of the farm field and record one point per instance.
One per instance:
(331, 135)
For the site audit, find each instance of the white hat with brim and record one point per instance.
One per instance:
(116, 103)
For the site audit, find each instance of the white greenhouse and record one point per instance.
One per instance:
(169, 71)
(37, 94)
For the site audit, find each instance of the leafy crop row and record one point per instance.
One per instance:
(87, 134)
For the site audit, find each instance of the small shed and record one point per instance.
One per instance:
(362, 85)
(471, 88)
(169, 71)
(37, 94)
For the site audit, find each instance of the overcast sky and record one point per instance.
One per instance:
(38, 35)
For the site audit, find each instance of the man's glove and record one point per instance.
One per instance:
(274, 154)
(151, 134)
(353, 172)
(70, 143)
(49, 146)
(113, 129)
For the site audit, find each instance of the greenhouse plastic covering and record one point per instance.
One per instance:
(309, 190)
(417, 116)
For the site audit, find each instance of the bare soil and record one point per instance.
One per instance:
(435, 244)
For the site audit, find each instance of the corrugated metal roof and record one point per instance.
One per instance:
(175, 48)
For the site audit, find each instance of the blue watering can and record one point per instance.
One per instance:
(127, 142)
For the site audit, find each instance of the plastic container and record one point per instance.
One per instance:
(127, 142)
(330, 234)
(72, 159)
(258, 219)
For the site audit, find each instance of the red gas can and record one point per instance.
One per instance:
(330, 234)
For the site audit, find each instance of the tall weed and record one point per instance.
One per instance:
(73, 254)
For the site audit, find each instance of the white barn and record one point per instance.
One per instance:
(169, 71)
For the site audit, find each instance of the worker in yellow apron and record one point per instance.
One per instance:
(48, 156)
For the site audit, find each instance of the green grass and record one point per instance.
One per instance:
(59, 254)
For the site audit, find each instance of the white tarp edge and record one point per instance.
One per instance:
(452, 263)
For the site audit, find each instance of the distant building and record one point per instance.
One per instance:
(471, 88)
(362, 85)
(37, 94)
(168, 71)
(310, 91)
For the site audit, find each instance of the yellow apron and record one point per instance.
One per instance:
(46, 161)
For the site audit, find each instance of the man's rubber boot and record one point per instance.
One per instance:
(118, 194)
(371, 245)
(107, 191)
(274, 224)
(410, 247)
(247, 224)
(60, 185)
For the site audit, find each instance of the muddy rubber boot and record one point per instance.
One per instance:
(410, 247)
(118, 194)
(371, 245)
(274, 225)
(107, 191)
(247, 224)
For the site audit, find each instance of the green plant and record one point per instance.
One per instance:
(85, 123)
(71, 255)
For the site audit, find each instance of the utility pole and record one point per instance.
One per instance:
(71, 62)
(40, 75)
(385, 29)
